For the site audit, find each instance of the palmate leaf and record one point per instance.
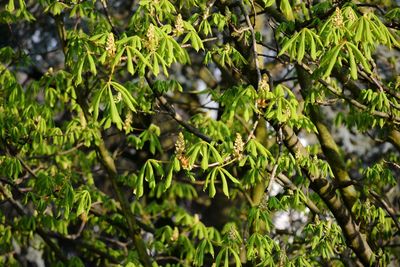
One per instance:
(129, 63)
(222, 173)
(335, 56)
(226, 254)
(300, 43)
(330, 60)
(359, 56)
(353, 65)
(207, 152)
(370, 29)
(195, 40)
(287, 10)
(203, 248)
(148, 172)
(150, 135)
(55, 8)
(96, 102)
(113, 109)
(143, 60)
(126, 95)
(84, 201)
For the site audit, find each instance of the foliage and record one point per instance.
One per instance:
(199, 133)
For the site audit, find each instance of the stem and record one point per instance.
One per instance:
(134, 229)
(328, 144)
(324, 188)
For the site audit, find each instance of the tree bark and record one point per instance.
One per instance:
(354, 239)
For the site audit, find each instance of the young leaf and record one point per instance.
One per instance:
(96, 102)
(353, 65)
(129, 61)
(113, 109)
(287, 10)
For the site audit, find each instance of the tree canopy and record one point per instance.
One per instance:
(199, 133)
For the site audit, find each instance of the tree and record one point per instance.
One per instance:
(181, 132)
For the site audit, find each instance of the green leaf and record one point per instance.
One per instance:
(155, 67)
(313, 46)
(168, 180)
(129, 62)
(84, 202)
(360, 57)
(117, 58)
(79, 71)
(215, 154)
(268, 3)
(91, 64)
(353, 65)
(287, 10)
(126, 95)
(332, 58)
(210, 180)
(360, 30)
(204, 160)
(230, 176)
(113, 109)
(96, 102)
(287, 45)
(302, 45)
(141, 57)
(225, 188)
(10, 7)
(193, 153)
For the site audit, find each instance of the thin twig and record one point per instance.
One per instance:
(372, 5)
(254, 42)
(26, 167)
(392, 163)
(20, 209)
(289, 184)
(61, 153)
(279, 140)
(80, 230)
(171, 111)
(355, 103)
(203, 41)
(105, 8)
(387, 208)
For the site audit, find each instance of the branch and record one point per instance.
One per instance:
(279, 140)
(20, 209)
(171, 112)
(355, 103)
(254, 42)
(289, 184)
(105, 8)
(203, 41)
(394, 135)
(85, 247)
(328, 144)
(109, 164)
(324, 188)
(387, 208)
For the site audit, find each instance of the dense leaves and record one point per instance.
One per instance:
(199, 133)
